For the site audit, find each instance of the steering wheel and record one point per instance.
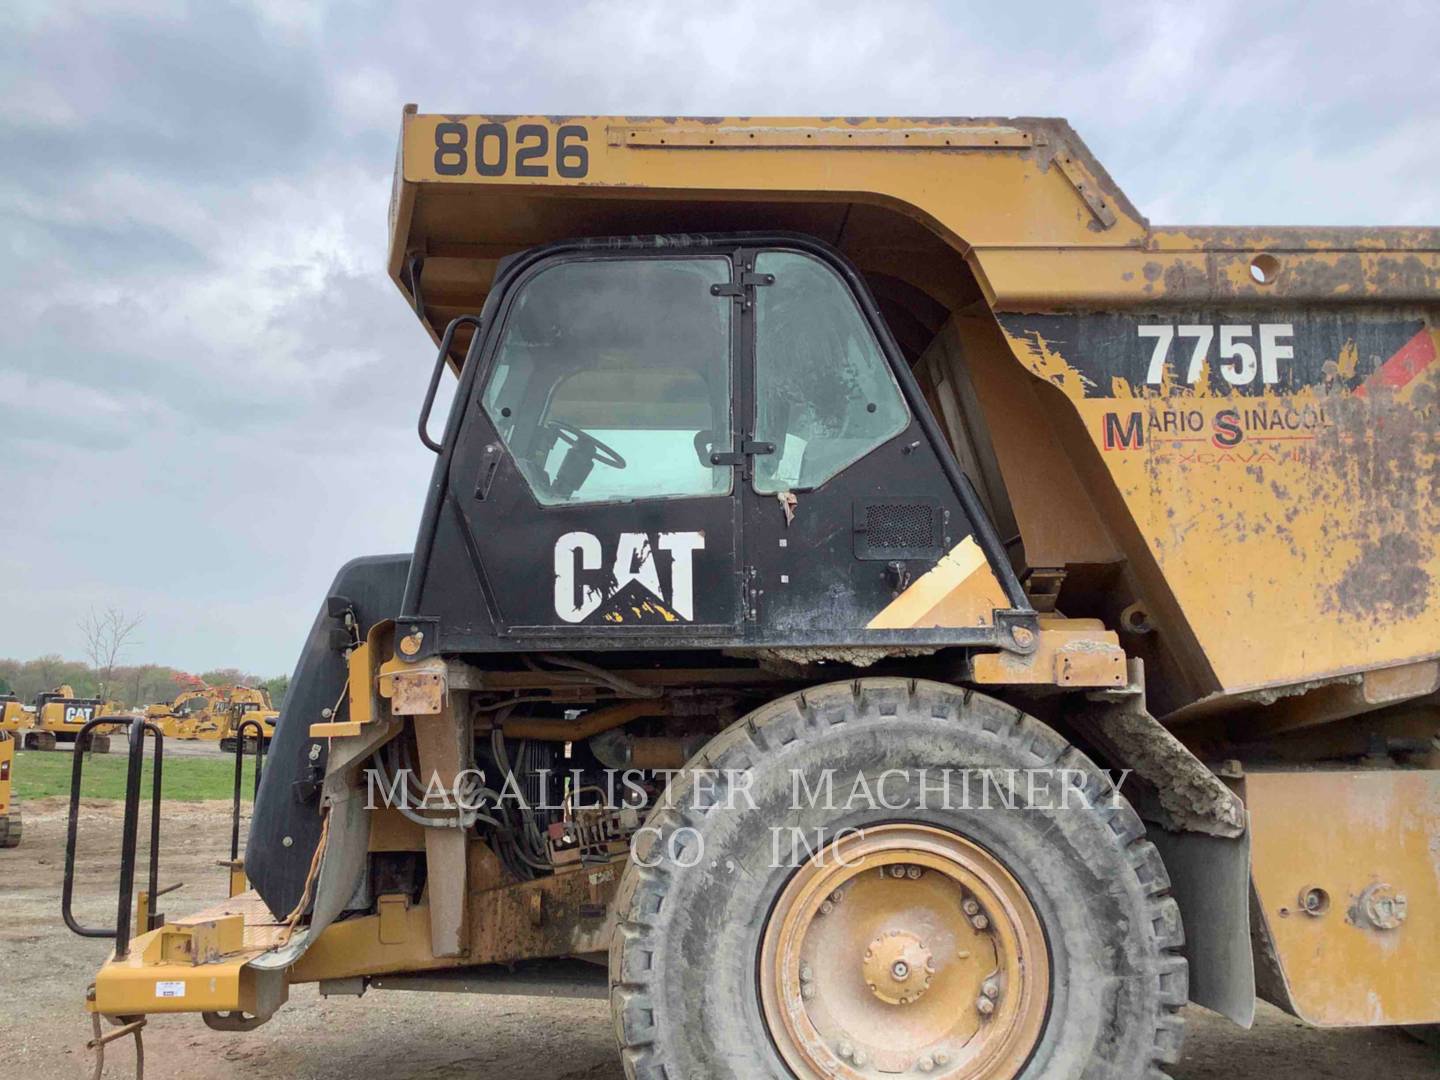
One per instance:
(571, 435)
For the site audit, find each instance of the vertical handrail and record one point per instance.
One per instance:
(138, 726)
(239, 771)
(440, 358)
(153, 917)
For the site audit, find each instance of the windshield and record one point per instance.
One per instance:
(612, 380)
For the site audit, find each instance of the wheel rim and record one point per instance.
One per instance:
(904, 950)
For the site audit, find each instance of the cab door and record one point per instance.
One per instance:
(593, 512)
(855, 531)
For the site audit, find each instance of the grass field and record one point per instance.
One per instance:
(185, 779)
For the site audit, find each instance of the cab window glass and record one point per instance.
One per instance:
(824, 393)
(612, 380)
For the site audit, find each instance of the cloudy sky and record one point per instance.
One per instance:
(207, 383)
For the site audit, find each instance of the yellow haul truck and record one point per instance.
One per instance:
(883, 608)
(10, 822)
(60, 716)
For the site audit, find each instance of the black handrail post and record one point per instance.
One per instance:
(138, 726)
(235, 805)
(67, 885)
(259, 761)
(128, 839)
(239, 772)
(153, 917)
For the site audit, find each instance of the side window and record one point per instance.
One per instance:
(612, 380)
(824, 394)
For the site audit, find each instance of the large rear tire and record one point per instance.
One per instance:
(930, 935)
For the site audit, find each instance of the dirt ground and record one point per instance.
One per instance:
(403, 1036)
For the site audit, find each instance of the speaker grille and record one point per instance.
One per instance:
(892, 526)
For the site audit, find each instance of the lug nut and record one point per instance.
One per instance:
(807, 990)
(806, 973)
(826, 908)
(913, 873)
(942, 1058)
(925, 1064)
(984, 1006)
(980, 922)
(970, 907)
(990, 989)
(845, 1050)
(859, 1059)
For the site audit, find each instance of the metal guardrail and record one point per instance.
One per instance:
(138, 727)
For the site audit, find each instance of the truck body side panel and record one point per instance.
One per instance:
(1287, 493)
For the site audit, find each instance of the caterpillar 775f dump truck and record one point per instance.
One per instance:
(882, 608)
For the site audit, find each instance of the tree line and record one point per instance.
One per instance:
(130, 685)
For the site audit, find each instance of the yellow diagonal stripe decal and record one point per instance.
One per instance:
(959, 590)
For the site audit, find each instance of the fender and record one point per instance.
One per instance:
(285, 828)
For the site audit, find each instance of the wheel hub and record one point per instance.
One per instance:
(904, 950)
(898, 968)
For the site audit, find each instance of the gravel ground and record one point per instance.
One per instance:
(405, 1036)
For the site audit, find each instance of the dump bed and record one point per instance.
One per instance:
(1224, 440)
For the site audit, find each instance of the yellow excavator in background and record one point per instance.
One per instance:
(258, 709)
(188, 715)
(211, 713)
(15, 715)
(59, 715)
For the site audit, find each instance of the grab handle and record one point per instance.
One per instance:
(440, 357)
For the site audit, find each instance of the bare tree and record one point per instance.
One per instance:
(47, 665)
(107, 635)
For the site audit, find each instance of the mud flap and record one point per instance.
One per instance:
(343, 861)
(342, 871)
(1210, 880)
